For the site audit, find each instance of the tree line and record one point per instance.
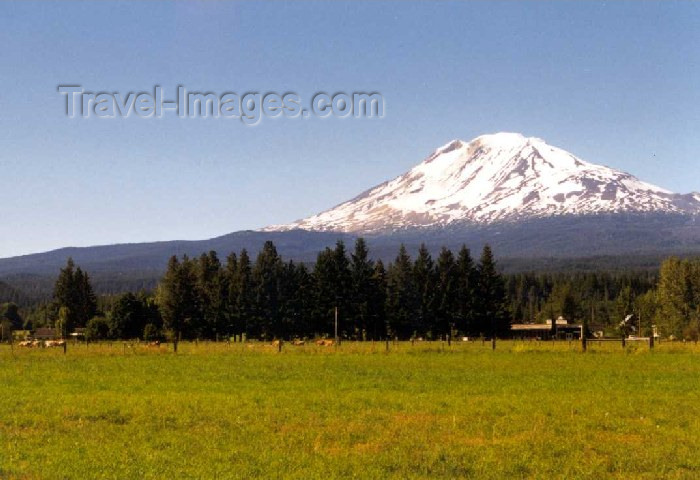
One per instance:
(270, 298)
(267, 297)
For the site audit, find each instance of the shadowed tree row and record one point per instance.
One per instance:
(271, 298)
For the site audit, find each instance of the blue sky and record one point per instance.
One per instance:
(615, 83)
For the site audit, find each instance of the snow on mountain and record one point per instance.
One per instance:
(493, 178)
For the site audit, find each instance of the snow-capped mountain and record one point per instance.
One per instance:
(502, 177)
(533, 203)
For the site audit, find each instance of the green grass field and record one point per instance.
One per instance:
(527, 410)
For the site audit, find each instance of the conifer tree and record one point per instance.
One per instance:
(333, 289)
(402, 295)
(266, 276)
(211, 287)
(178, 300)
(491, 314)
(325, 292)
(230, 270)
(240, 294)
(289, 302)
(466, 290)
(303, 298)
(9, 312)
(73, 291)
(424, 278)
(446, 282)
(342, 286)
(361, 272)
(378, 326)
(86, 304)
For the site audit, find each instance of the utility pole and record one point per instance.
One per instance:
(639, 323)
(336, 325)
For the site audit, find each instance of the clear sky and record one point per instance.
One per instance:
(613, 82)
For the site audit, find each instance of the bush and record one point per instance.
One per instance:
(692, 331)
(151, 332)
(97, 328)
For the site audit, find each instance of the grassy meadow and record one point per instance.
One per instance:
(217, 411)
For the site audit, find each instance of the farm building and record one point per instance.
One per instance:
(45, 334)
(562, 330)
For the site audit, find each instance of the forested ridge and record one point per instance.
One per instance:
(411, 296)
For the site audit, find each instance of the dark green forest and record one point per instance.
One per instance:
(421, 296)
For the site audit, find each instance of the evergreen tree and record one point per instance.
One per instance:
(378, 325)
(266, 276)
(491, 315)
(361, 273)
(424, 279)
(342, 287)
(10, 312)
(562, 301)
(467, 290)
(402, 296)
(73, 292)
(212, 285)
(10, 320)
(333, 290)
(229, 272)
(86, 301)
(240, 294)
(446, 284)
(178, 300)
(324, 293)
(303, 301)
(289, 302)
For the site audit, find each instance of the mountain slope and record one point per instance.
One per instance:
(496, 178)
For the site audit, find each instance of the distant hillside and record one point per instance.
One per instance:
(118, 268)
(154, 256)
(12, 294)
(580, 243)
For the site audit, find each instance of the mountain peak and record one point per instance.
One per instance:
(502, 138)
(495, 178)
(507, 140)
(493, 140)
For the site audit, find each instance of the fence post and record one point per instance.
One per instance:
(493, 343)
